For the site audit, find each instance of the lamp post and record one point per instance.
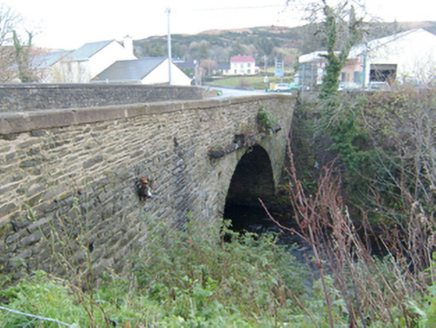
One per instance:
(265, 58)
(168, 10)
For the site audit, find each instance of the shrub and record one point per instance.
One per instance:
(196, 274)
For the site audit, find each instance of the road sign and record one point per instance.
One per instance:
(280, 68)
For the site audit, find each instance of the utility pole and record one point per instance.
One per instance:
(265, 80)
(265, 58)
(168, 10)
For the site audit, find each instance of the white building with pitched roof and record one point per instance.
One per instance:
(242, 65)
(153, 70)
(83, 64)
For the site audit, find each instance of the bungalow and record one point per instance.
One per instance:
(143, 71)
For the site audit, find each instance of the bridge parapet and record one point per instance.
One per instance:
(81, 165)
(25, 97)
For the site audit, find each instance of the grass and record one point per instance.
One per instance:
(184, 279)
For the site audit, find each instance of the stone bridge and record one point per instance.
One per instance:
(75, 170)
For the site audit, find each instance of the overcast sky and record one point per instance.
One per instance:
(69, 24)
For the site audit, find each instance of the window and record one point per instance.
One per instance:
(242, 65)
(249, 65)
(236, 71)
(248, 71)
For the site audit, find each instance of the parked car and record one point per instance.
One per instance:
(411, 83)
(378, 86)
(294, 85)
(281, 87)
(349, 86)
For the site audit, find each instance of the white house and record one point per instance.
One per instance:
(242, 65)
(143, 71)
(410, 54)
(83, 64)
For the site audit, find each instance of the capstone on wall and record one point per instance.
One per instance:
(35, 96)
(73, 172)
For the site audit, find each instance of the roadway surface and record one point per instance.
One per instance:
(227, 92)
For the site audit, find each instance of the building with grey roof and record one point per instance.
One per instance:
(153, 70)
(83, 64)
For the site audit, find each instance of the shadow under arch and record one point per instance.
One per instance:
(252, 179)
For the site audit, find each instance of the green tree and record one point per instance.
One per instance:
(266, 45)
(23, 58)
(237, 49)
(338, 49)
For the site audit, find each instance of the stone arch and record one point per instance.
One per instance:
(252, 179)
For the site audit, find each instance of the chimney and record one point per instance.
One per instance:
(128, 45)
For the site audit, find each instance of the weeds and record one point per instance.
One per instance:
(204, 276)
(265, 120)
(372, 291)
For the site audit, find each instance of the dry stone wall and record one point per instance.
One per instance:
(73, 172)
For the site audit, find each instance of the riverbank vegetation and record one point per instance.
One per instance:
(196, 279)
(364, 220)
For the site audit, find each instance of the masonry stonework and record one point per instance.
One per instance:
(24, 97)
(75, 170)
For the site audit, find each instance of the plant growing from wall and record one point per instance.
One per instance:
(265, 120)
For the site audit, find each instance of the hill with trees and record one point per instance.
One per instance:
(271, 41)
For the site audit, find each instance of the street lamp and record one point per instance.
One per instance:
(265, 58)
(168, 10)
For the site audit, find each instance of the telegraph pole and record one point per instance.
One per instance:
(265, 80)
(168, 10)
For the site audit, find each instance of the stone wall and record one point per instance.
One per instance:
(35, 96)
(73, 172)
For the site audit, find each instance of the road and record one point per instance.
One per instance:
(227, 92)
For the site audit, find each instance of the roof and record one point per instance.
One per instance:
(223, 66)
(360, 49)
(313, 56)
(130, 70)
(242, 59)
(186, 64)
(89, 49)
(52, 58)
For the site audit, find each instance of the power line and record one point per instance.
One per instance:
(236, 8)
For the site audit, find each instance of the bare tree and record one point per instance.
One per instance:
(17, 58)
(209, 65)
(8, 22)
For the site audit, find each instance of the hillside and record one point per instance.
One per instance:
(271, 41)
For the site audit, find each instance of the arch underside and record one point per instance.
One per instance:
(251, 180)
